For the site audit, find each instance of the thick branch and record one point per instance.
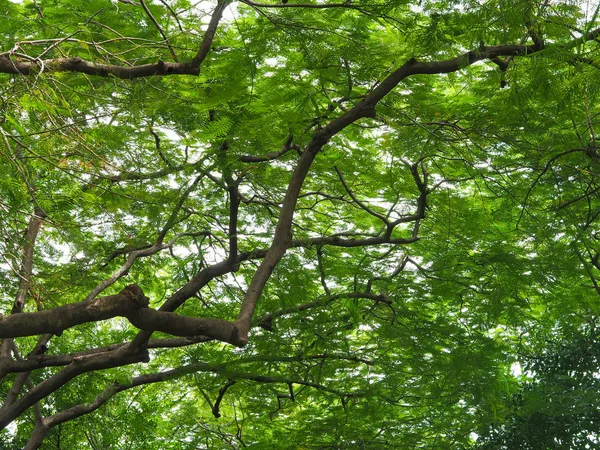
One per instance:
(96, 362)
(58, 319)
(19, 66)
(188, 290)
(130, 303)
(39, 361)
(282, 239)
(168, 322)
(11, 65)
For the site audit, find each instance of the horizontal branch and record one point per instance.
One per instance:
(142, 340)
(337, 241)
(58, 319)
(289, 145)
(285, 4)
(266, 321)
(19, 66)
(41, 360)
(130, 303)
(32, 65)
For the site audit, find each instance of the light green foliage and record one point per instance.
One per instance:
(505, 256)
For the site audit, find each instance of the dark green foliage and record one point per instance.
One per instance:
(556, 406)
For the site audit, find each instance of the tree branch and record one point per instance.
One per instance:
(160, 68)
(222, 391)
(209, 34)
(39, 361)
(357, 201)
(130, 303)
(108, 360)
(266, 321)
(25, 273)
(365, 108)
(82, 409)
(11, 65)
(289, 145)
(159, 28)
(285, 4)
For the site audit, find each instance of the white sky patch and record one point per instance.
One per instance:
(274, 62)
(516, 370)
(65, 252)
(11, 428)
(169, 133)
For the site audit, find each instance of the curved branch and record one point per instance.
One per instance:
(41, 360)
(285, 4)
(289, 145)
(209, 34)
(357, 201)
(47, 423)
(188, 290)
(130, 303)
(173, 217)
(102, 361)
(11, 65)
(222, 391)
(541, 174)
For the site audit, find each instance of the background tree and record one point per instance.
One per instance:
(557, 407)
(317, 224)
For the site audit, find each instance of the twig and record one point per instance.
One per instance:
(160, 30)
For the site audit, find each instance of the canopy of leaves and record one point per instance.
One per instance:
(558, 406)
(304, 224)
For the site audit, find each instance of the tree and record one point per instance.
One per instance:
(557, 408)
(324, 224)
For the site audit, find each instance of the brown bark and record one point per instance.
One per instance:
(108, 360)
(25, 272)
(130, 303)
(12, 65)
